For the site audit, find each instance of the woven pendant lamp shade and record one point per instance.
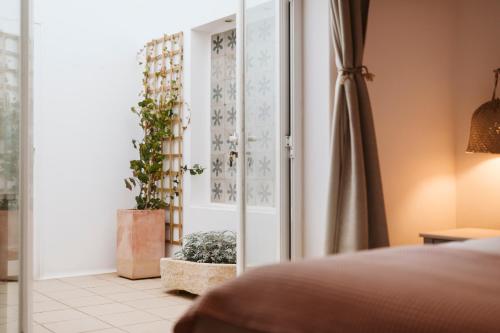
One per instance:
(485, 126)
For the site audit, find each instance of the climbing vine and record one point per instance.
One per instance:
(156, 119)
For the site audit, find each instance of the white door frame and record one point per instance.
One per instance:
(26, 170)
(283, 52)
(296, 129)
(241, 137)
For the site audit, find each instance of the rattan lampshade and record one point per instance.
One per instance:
(485, 125)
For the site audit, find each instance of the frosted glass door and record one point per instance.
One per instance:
(9, 165)
(13, 130)
(265, 127)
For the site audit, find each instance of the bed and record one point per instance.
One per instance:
(448, 288)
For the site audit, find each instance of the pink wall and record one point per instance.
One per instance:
(409, 47)
(433, 62)
(476, 53)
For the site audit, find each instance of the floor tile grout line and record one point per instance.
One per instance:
(177, 301)
(149, 322)
(87, 315)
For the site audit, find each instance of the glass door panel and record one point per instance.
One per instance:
(265, 197)
(9, 164)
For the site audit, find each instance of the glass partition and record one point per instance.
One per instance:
(9, 164)
(265, 127)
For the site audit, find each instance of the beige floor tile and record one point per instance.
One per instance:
(86, 282)
(183, 301)
(48, 306)
(9, 328)
(106, 276)
(111, 277)
(68, 294)
(131, 296)
(9, 287)
(37, 297)
(151, 303)
(172, 312)
(59, 315)
(109, 290)
(162, 326)
(52, 285)
(129, 318)
(144, 284)
(77, 325)
(9, 299)
(40, 329)
(86, 301)
(9, 312)
(105, 309)
(96, 303)
(157, 292)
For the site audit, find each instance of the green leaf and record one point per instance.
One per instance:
(132, 180)
(127, 184)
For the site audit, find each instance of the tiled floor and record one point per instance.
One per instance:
(104, 303)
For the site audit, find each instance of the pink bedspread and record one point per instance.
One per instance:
(402, 290)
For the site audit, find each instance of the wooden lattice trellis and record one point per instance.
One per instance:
(164, 64)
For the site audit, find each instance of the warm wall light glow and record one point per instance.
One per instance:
(488, 168)
(429, 205)
(478, 190)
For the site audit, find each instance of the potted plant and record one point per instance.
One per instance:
(205, 260)
(141, 231)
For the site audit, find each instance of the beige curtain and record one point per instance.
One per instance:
(356, 212)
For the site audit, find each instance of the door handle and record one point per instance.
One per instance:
(251, 138)
(233, 155)
(233, 138)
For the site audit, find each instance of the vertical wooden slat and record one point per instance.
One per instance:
(181, 134)
(162, 87)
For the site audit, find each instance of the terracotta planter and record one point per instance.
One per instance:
(194, 277)
(4, 247)
(8, 241)
(140, 242)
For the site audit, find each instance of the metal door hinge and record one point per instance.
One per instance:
(289, 146)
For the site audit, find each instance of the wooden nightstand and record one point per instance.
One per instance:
(461, 234)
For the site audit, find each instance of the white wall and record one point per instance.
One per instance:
(317, 85)
(83, 126)
(88, 79)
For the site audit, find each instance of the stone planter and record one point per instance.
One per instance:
(194, 277)
(140, 242)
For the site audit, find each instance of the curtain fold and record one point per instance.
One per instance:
(356, 210)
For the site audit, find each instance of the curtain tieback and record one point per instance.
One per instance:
(348, 72)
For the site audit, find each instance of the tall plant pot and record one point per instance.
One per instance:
(140, 242)
(4, 245)
(8, 242)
